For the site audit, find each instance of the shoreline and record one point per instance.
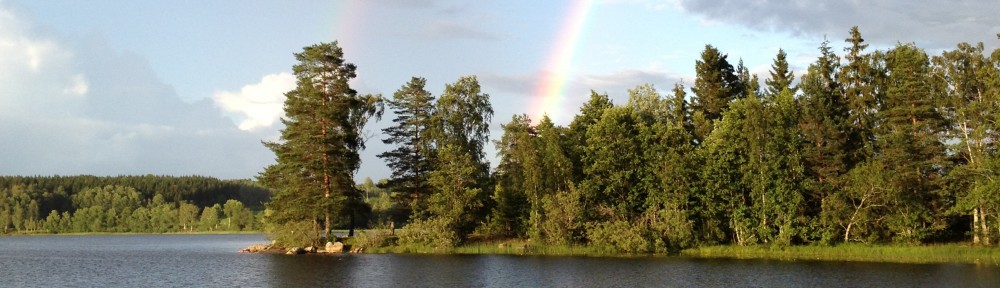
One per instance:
(958, 253)
(915, 254)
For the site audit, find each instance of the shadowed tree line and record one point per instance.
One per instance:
(146, 204)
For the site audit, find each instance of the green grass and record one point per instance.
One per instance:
(944, 253)
(503, 247)
(947, 253)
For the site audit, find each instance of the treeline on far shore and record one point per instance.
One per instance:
(134, 204)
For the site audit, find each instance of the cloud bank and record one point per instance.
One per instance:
(77, 106)
(930, 24)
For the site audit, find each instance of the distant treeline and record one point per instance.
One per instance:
(128, 204)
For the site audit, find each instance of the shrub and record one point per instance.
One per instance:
(620, 235)
(564, 214)
(374, 238)
(435, 233)
(293, 234)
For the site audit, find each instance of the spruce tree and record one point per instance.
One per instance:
(412, 160)
(781, 76)
(860, 78)
(716, 84)
(518, 178)
(824, 130)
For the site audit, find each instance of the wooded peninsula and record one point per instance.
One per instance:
(893, 146)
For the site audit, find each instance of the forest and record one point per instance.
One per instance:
(134, 204)
(868, 146)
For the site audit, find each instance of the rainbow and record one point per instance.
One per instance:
(347, 16)
(550, 91)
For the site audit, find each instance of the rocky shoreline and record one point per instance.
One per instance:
(330, 248)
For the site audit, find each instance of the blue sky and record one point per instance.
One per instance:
(192, 87)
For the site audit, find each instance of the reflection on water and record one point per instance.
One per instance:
(212, 261)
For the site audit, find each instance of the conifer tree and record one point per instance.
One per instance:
(911, 146)
(781, 76)
(824, 130)
(318, 150)
(860, 78)
(518, 178)
(412, 159)
(716, 84)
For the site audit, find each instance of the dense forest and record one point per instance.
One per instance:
(144, 204)
(871, 146)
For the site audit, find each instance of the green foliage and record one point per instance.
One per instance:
(456, 198)
(436, 233)
(614, 156)
(590, 113)
(564, 213)
(374, 238)
(620, 235)
(294, 233)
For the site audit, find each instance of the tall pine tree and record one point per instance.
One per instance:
(318, 150)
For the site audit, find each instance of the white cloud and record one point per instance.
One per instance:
(259, 105)
(78, 86)
(30, 65)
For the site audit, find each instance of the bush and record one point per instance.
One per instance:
(435, 233)
(564, 214)
(293, 234)
(670, 229)
(620, 235)
(374, 238)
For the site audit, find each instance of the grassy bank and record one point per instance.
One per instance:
(949, 253)
(506, 247)
(946, 253)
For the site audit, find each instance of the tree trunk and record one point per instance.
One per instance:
(975, 226)
(326, 226)
(984, 228)
(350, 231)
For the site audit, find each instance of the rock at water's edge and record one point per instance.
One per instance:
(334, 247)
(259, 248)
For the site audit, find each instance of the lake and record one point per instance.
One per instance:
(212, 261)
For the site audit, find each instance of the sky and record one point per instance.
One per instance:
(192, 87)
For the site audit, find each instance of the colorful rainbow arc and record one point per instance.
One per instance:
(550, 92)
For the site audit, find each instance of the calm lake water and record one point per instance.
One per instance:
(212, 261)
